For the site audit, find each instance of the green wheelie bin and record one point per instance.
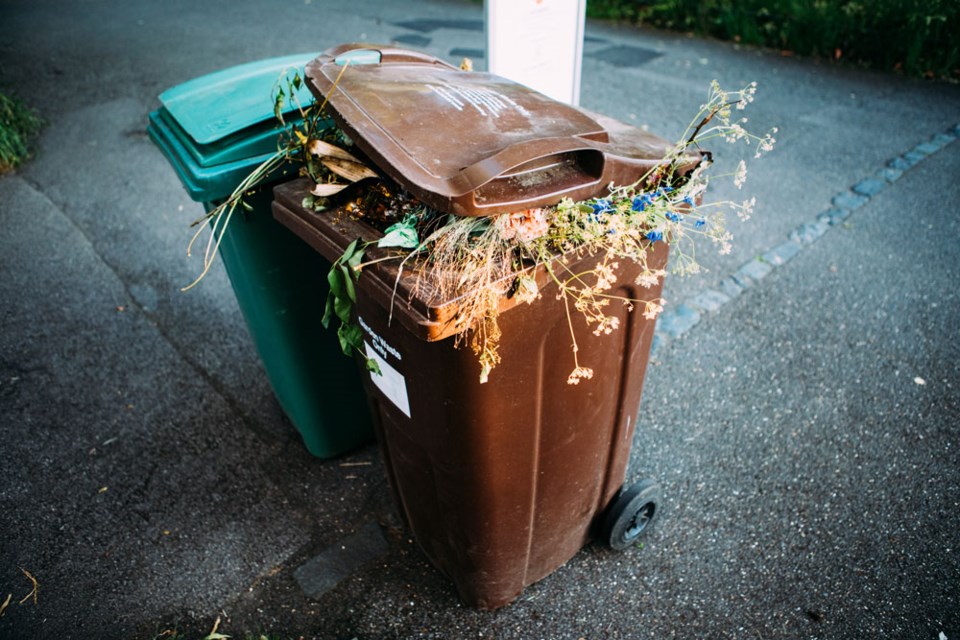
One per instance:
(214, 130)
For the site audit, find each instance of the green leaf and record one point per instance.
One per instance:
(348, 282)
(402, 235)
(342, 307)
(328, 312)
(335, 280)
(351, 337)
(372, 366)
(278, 105)
(585, 208)
(354, 263)
(297, 82)
(349, 252)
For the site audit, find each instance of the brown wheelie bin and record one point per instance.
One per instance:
(501, 482)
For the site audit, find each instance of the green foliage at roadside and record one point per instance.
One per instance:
(915, 36)
(17, 124)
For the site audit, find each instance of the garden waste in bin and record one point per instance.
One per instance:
(215, 130)
(504, 481)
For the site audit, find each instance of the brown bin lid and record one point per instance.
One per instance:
(472, 143)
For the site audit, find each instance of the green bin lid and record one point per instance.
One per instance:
(215, 129)
(212, 107)
(247, 143)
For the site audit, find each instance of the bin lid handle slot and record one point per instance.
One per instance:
(512, 159)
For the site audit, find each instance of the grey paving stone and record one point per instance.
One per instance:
(675, 322)
(834, 216)
(809, 232)
(742, 280)
(709, 300)
(870, 187)
(755, 269)
(730, 287)
(900, 163)
(943, 139)
(890, 174)
(849, 200)
(928, 147)
(340, 560)
(915, 156)
(784, 252)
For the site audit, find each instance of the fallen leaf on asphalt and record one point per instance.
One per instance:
(33, 592)
(213, 635)
(3, 607)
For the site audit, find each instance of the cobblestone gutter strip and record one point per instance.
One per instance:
(677, 321)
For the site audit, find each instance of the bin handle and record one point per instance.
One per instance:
(361, 54)
(524, 152)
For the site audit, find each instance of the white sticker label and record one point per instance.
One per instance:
(391, 383)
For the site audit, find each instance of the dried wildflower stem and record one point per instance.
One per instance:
(223, 213)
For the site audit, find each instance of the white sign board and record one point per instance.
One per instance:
(538, 43)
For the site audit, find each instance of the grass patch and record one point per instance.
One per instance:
(917, 37)
(17, 124)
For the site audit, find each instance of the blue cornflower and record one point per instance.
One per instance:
(700, 223)
(641, 202)
(654, 235)
(600, 207)
(673, 216)
(688, 200)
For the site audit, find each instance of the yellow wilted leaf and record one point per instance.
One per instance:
(322, 148)
(325, 190)
(349, 170)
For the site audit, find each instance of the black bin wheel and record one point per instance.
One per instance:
(630, 513)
